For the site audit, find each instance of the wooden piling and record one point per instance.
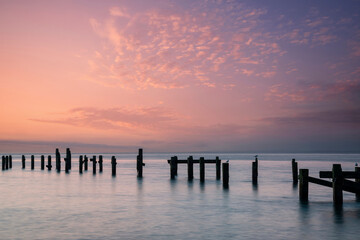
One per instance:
(68, 158)
(225, 170)
(58, 160)
(100, 163)
(86, 163)
(6, 162)
(357, 180)
(173, 161)
(10, 161)
(218, 168)
(304, 185)
(81, 162)
(93, 159)
(42, 162)
(190, 168)
(113, 166)
(49, 166)
(294, 166)
(23, 161)
(140, 163)
(32, 162)
(255, 171)
(202, 169)
(338, 181)
(3, 163)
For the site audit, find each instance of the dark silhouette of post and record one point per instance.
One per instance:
(93, 159)
(294, 166)
(32, 162)
(113, 166)
(23, 161)
(304, 185)
(140, 163)
(49, 166)
(58, 160)
(42, 162)
(190, 168)
(81, 162)
(173, 162)
(202, 169)
(66, 160)
(3, 162)
(10, 161)
(68, 157)
(338, 181)
(218, 168)
(7, 162)
(225, 170)
(255, 171)
(86, 163)
(100, 163)
(357, 170)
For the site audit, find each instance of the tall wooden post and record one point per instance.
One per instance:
(6, 162)
(81, 162)
(10, 161)
(202, 169)
(304, 185)
(42, 162)
(100, 163)
(255, 171)
(66, 160)
(218, 168)
(86, 163)
(190, 168)
(3, 162)
(94, 164)
(23, 161)
(32, 162)
(173, 162)
(140, 163)
(338, 181)
(68, 157)
(58, 160)
(113, 166)
(49, 165)
(225, 170)
(294, 166)
(357, 170)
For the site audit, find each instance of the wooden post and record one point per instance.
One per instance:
(68, 158)
(6, 162)
(337, 184)
(23, 161)
(10, 161)
(58, 160)
(255, 171)
(294, 166)
(3, 162)
(357, 170)
(42, 162)
(100, 163)
(94, 164)
(66, 164)
(225, 170)
(49, 166)
(32, 162)
(304, 185)
(173, 161)
(81, 162)
(202, 169)
(218, 168)
(190, 167)
(113, 166)
(86, 163)
(140, 163)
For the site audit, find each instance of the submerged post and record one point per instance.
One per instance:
(100, 163)
(255, 171)
(86, 163)
(42, 162)
(294, 166)
(173, 161)
(81, 162)
(357, 180)
(202, 169)
(140, 163)
(338, 181)
(23, 161)
(10, 161)
(7, 162)
(225, 170)
(94, 164)
(113, 166)
(58, 160)
(49, 166)
(68, 158)
(304, 185)
(32, 162)
(66, 164)
(190, 168)
(3, 162)
(218, 168)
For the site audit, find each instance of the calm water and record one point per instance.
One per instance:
(49, 205)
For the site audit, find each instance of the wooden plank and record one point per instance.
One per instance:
(350, 186)
(346, 174)
(320, 182)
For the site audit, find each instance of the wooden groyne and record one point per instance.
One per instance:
(6, 162)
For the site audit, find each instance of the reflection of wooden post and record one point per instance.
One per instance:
(81, 162)
(357, 170)
(23, 161)
(304, 185)
(10, 161)
(294, 166)
(190, 167)
(42, 162)
(173, 161)
(58, 160)
(218, 168)
(202, 169)
(32, 162)
(100, 163)
(86, 163)
(49, 166)
(338, 181)
(255, 170)
(225, 170)
(94, 164)
(113, 165)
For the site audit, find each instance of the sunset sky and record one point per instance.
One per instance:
(180, 75)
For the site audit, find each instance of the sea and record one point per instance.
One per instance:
(42, 204)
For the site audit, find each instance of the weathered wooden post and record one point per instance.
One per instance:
(7, 162)
(190, 168)
(68, 158)
(218, 168)
(49, 166)
(202, 169)
(225, 170)
(255, 171)
(294, 166)
(42, 162)
(10, 161)
(93, 159)
(58, 160)
(23, 161)
(140, 163)
(81, 162)
(100, 163)
(304, 185)
(113, 165)
(86, 163)
(3, 162)
(173, 162)
(32, 162)
(338, 181)
(357, 170)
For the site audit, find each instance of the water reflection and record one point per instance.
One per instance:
(338, 214)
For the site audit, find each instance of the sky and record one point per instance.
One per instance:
(180, 75)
